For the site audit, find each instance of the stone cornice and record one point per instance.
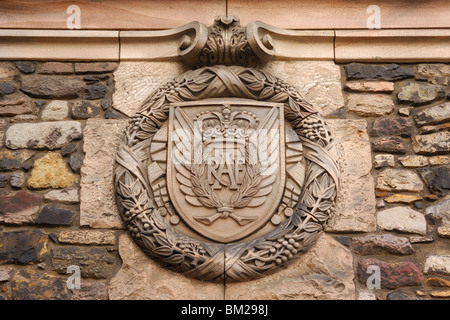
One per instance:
(410, 45)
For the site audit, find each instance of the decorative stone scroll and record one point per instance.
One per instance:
(226, 171)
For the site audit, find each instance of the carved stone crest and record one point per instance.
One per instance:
(226, 170)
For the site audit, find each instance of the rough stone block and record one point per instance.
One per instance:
(325, 272)
(50, 135)
(50, 171)
(23, 247)
(402, 219)
(19, 208)
(370, 105)
(97, 199)
(141, 278)
(355, 205)
(35, 285)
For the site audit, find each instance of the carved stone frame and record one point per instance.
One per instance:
(213, 261)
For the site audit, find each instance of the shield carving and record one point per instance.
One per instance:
(225, 165)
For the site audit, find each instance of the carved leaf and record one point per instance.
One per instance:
(163, 251)
(266, 93)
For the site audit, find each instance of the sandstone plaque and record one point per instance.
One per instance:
(226, 171)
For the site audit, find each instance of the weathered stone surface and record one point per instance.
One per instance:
(10, 160)
(50, 135)
(389, 72)
(26, 67)
(141, 278)
(56, 110)
(436, 73)
(90, 291)
(383, 160)
(413, 161)
(84, 110)
(444, 231)
(23, 247)
(67, 196)
(418, 239)
(4, 178)
(318, 81)
(437, 264)
(69, 149)
(17, 179)
(434, 115)
(432, 143)
(367, 295)
(392, 126)
(420, 93)
(325, 272)
(50, 171)
(439, 211)
(19, 208)
(433, 129)
(402, 219)
(378, 244)
(405, 111)
(111, 114)
(94, 262)
(437, 179)
(52, 87)
(75, 162)
(52, 216)
(3, 124)
(403, 198)
(393, 275)
(8, 72)
(355, 205)
(90, 237)
(399, 295)
(15, 106)
(35, 285)
(6, 88)
(6, 273)
(56, 68)
(24, 118)
(95, 91)
(399, 180)
(439, 160)
(98, 206)
(437, 282)
(370, 86)
(440, 294)
(370, 105)
(135, 81)
(95, 67)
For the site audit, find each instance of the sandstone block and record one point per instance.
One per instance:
(97, 199)
(402, 219)
(420, 93)
(94, 262)
(67, 196)
(135, 81)
(15, 106)
(318, 81)
(392, 126)
(434, 115)
(91, 237)
(432, 143)
(50, 171)
(56, 110)
(389, 144)
(19, 208)
(141, 278)
(35, 285)
(50, 135)
(393, 275)
(370, 105)
(355, 204)
(95, 67)
(387, 243)
(56, 68)
(413, 161)
(399, 180)
(370, 86)
(437, 264)
(324, 272)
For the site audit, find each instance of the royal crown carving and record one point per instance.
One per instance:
(226, 171)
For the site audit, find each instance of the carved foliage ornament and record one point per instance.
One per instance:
(225, 171)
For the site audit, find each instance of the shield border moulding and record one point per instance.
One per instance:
(223, 58)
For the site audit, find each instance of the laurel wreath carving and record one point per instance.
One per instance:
(243, 261)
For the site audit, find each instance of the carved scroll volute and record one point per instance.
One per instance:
(192, 42)
(261, 42)
(226, 43)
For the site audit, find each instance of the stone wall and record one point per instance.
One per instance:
(61, 122)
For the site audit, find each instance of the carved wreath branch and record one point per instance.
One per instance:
(244, 261)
